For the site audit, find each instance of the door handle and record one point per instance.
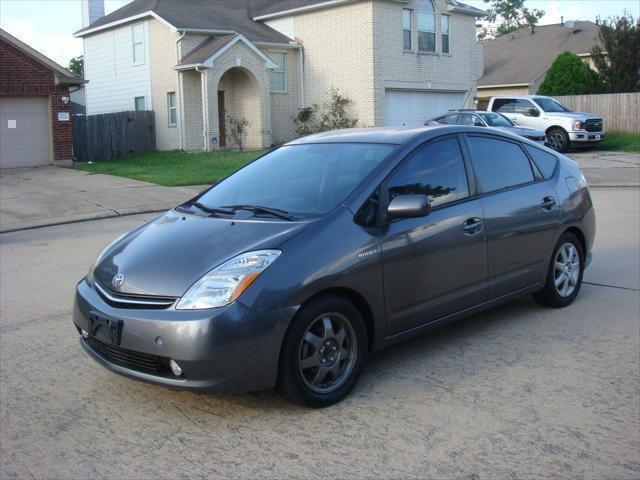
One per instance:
(472, 226)
(548, 203)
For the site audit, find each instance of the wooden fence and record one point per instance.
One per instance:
(112, 135)
(619, 111)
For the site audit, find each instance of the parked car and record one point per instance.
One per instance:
(563, 127)
(480, 118)
(292, 270)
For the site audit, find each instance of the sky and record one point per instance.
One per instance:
(47, 25)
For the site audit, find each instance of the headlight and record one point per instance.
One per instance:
(222, 285)
(577, 126)
(100, 257)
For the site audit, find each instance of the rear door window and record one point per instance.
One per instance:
(545, 161)
(498, 164)
(503, 105)
(436, 169)
(451, 119)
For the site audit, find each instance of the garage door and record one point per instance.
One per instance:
(24, 132)
(411, 108)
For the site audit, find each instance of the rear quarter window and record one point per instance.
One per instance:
(546, 162)
(503, 105)
(498, 164)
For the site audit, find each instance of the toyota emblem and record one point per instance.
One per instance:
(118, 280)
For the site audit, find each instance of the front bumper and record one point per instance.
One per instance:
(584, 137)
(227, 349)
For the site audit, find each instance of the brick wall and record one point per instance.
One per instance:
(21, 75)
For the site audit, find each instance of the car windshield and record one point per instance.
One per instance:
(496, 120)
(303, 180)
(550, 105)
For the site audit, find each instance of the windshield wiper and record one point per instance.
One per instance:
(276, 212)
(212, 210)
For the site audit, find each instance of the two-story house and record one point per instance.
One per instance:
(197, 63)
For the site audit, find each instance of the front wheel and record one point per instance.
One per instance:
(323, 352)
(558, 139)
(564, 276)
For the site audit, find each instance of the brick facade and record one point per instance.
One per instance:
(22, 75)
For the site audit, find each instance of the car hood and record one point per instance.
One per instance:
(167, 255)
(572, 115)
(522, 131)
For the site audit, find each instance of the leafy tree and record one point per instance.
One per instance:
(617, 57)
(76, 66)
(505, 16)
(568, 75)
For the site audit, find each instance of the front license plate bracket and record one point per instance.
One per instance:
(105, 329)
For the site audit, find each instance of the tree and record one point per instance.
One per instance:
(76, 66)
(568, 75)
(617, 57)
(333, 116)
(505, 16)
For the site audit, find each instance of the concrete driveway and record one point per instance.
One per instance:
(609, 169)
(519, 391)
(34, 197)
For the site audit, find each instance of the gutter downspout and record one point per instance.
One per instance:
(203, 82)
(180, 118)
(301, 57)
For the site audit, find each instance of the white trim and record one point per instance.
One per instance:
(291, 44)
(188, 66)
(316, 6)
(132, 18)
(268, 63)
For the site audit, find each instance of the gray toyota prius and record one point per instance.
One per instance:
(291, 271)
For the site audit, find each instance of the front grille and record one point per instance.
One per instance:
(141, 362)
(593, 125)
(121, 300)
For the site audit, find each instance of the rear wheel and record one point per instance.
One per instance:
(323, 352)
(558, 140)
(564, 276)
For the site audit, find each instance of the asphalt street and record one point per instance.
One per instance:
(519, 391)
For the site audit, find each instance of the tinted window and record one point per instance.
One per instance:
(496, 120)
(436, 169)
(471, 120)
(523, 106)
(503, 105)
(304, 179)
(550, 105)
(545, 161)
(451, 119)
(498, 164)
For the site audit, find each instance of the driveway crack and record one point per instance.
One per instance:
(612, 286)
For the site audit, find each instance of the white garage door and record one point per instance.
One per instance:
(411, 108)
(24, 132)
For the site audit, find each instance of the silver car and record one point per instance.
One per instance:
(480, 118)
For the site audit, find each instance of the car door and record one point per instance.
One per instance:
(471, 120)
(521, 213)
(435, 265)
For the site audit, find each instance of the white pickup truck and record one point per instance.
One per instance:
(563, 127)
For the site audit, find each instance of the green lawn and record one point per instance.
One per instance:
(620, 141)
(174, 168)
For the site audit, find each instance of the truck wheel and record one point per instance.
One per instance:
(558, 140)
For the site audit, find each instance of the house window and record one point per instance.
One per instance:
(406, 28)
(426, 27)
(445, 34)
(172, 109)
(140, 104)
(279, 74)
(137, 36)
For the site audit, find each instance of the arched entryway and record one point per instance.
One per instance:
(239, 104)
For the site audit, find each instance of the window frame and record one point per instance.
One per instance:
(170, 108)
(135, 103)
(443, 34)
(410, 29)
(423, 10)
(142, 42)
(282, 71)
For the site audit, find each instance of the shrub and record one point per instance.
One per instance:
(568, 75)
(237, 131)
(332, 116)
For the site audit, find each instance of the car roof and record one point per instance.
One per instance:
(388, 135)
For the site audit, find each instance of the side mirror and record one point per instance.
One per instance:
(533, 112)
(409, 206)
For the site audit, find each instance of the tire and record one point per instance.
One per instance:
(319, 365)
(564, 272)
(558, 140)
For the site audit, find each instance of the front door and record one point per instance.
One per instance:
(435, 265)
(222, 119)
(521, 214)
